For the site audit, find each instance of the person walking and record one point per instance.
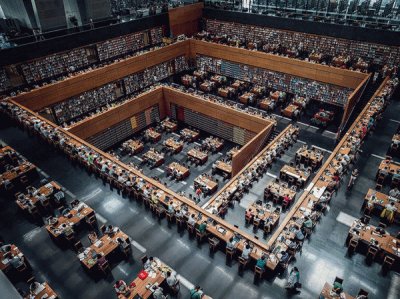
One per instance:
(294, 279)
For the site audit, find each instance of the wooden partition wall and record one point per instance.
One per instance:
(250, 149)
(51, 94)
(300, 68)
(353, 100)
(186, 19)
(226, 114)
(102, 121)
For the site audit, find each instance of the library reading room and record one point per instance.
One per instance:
(193, 149)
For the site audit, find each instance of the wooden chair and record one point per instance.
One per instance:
(362, 292)
(256, 223)
(180, 221)
(190, 228)
(103, 228)
(353, 244)
(78, 247)
(387, 263)
(338, 279)
(144, 259)
(230, 253)
(92, 221)
(159, 211)
(371, 253)
(170, 216)
(104, 267)
(200, 235)
(242, 263)
(213, 242)
(258, 272)
(24, 180)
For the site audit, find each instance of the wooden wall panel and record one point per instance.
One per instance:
(60, 91)
(115, 115)
(186, 19)
(313, 71)
(352, 102)
(226, 114)
(250, 150)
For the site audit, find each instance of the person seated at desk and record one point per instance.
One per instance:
(92, 237)
(171, 208)
(229, 244)
(158, 293)
(286, 199)
(192, 220)
(121, 288)
(34, 286)
(337, 287)
(249, 214)
(299, 236)
(17, 261)
(246, 252)
(388, 212)
(284, 257)
(203, 227)
(196, 293)
(394, 193)
(308, 223)
(109, 229)
(5, 248)
(261, 262)
(172, 281)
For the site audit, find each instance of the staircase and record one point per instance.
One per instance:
(272, 136)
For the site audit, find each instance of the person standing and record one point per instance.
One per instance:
(294, 279)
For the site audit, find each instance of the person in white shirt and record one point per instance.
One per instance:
(246, 252)
(192, 220)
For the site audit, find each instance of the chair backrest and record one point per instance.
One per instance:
(362, 292)
(339, 280)
(144, 259)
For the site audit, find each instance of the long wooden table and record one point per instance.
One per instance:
(297, 174)
(306, 154)
(169, 125)
(45, 292)
(47, 190)
(199, 155)
(326, 292)
(381, 200)
(182, 171)
(133, 146)
(175, 146)
(190, 135)
(155, 158)
(278, 190)
(387, 243)
(224, 167)
(25, 168)
(4, 261)
(153, 135)
(105, 246)
(78, 215)
(205, 182)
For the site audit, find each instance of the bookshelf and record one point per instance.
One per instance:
(323, 92)
(376, 53)
(123, 130)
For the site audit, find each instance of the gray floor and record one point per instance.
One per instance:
(323, 257)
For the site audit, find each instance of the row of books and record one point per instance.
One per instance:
(275, 80)
(95, 99)
(3, 80)
(85, 102)
(377, 53)
(56, 65)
